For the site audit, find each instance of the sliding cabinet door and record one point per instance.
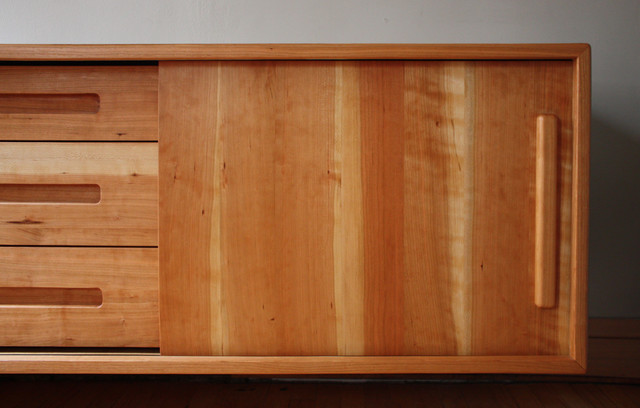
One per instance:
(361, 208)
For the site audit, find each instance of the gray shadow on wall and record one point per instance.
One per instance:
(614, 232)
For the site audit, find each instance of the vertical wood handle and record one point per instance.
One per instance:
(546, 202)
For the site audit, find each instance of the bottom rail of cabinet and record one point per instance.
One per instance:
(153, 363)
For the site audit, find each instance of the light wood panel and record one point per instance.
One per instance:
(127, 278)
(508, 99)
(277, 228)
(381, 107)
(190, 275)
(284, 365)
(613, 352)
(154, 52)
(348, 239)
(438, 165)
(358, 208)
(267, 245)
(78, 103)
(127, 210)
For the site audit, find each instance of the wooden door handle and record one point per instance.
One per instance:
(546, 208)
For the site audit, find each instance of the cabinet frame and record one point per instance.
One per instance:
(575, 362)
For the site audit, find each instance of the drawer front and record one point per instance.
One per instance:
(78, 103)
(79, 297)
(78, 194)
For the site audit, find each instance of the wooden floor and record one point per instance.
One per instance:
(170, 393)
(613, 380)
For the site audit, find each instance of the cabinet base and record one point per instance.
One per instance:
(156, 364)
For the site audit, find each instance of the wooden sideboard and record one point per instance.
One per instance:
(294, 209)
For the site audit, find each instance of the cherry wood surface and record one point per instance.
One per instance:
(78, 103)
(160, 52)
(614, 356)
(319, 213)
(50, 296)
(124, 214)
(359, 208)
(127, 315)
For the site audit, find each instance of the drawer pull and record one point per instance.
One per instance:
(21, 296)
(84, 103)
(546, 207)
(50, 193)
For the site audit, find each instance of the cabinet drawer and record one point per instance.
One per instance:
(78, 103)
(78, 194)
(79, 297)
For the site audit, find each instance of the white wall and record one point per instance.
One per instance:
(612, 28)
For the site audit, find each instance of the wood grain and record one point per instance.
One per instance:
(155, 52)
(509, 97)
(126, 213)
(275, 169)
(50, 193)
(50, 296)
(119, 103)
(359, 208)
(438, 163)
(580, 204)
(613, 353)
(277, 207)
(284, 365)
(382, 110)
(378, 187)
(127, 317)
(348, 240)
(190, 268)
(34, 103)
(546, 209)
